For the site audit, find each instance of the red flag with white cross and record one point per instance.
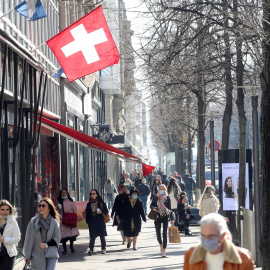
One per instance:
(85, 46)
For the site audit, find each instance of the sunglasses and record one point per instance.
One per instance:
(93, 193)
(42, 205)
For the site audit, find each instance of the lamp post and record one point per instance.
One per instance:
(212, 151)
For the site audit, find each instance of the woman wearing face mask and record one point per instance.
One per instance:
(155, 186)
(67, 205)
(42, 237)
(129, 185)
(94, 218)
(118, 210)
(209, 203)
(162, 205)
(132, 213)
(9, 236)
(183, 210)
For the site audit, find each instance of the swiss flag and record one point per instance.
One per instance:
(85, 46)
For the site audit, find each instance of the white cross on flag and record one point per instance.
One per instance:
(85, 46)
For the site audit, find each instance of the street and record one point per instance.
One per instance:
(119, 257)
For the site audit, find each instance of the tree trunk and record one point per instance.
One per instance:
(227, 116)
(242, 123)
(265, 140)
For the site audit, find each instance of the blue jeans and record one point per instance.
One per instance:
(51, 263)
(190, 197)
(144, 201)
(110, 200)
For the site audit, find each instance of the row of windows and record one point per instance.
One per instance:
(14, 78)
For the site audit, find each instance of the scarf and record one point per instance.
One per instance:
(94, 208)
(93, 200)
(160, 203)
(45, 226)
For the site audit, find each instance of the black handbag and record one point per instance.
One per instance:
(152, 215)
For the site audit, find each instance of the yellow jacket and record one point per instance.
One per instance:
(235, 258)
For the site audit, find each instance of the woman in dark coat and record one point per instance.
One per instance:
(132, 213)
(94, 218)
(161, 204)
(155, 186)
(118, 210)
(183, 210)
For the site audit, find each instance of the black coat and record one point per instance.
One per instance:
(96, 224)
(118, 207)
(144, 189)
(167, 204)
(182, 212)
(136, 213)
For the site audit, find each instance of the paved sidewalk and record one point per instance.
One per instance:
(119, 257)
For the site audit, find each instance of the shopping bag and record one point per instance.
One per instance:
(174, 236)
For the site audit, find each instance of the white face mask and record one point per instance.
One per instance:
(4, 217)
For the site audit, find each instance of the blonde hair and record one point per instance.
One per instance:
(128, 181)
(162, 185)
(208, 193)
(6, 202)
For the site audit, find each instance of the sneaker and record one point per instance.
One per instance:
(163, 254)
(90, 252)
(64, 251)
(103, 251)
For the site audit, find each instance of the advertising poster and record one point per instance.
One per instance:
(230, 186)
(81, 208)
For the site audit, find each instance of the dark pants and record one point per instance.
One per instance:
(102, 240)
(165, 229)
(144, 201)
(65, 244)
(6, 262)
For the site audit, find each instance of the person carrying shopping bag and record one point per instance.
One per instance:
(161, 204)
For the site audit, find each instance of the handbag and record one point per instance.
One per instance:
(152, 215)
(106, 217)
(69, 219)
(174, 236)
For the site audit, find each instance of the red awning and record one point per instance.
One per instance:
(87, 141)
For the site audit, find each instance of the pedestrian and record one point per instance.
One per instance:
(9, 235)
(190, 187)
(43, 237)
(208, 203)
(94, 218)
(129, 185)
(144, 191)
(164, 180)
(110, 190)
(155, 186)
(183, 210)
(132, 214)
(173, 192)
(117, 211)
(181, 182)
(161, 204)
(138, 180)
(67, 205)
(217, 250)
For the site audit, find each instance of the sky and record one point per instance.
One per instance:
(133, 8)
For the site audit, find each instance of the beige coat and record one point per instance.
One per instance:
(208, 206)
(235, 258)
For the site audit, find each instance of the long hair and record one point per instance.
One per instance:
(172, 184)
(208, 193)
(60, 200)
(52, 209)
(6, 202)
(100, 200)
(154, 182)
(226, 184)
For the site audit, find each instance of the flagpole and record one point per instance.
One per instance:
(39, 46)
(6, 13)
